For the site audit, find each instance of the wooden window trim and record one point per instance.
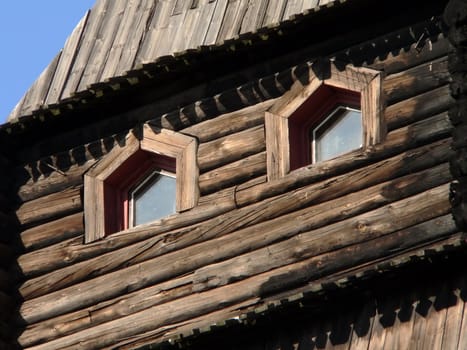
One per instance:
(363, 81)
(166, 144)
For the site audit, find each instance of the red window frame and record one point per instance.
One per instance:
(118, 185)
(310, 114)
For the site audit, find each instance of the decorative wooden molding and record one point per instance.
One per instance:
(153, 140)
(366, 82)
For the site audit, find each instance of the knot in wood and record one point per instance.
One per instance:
(362, 226)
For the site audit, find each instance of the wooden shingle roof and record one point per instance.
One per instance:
(115, 37)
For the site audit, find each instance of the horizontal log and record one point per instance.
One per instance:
(340, 209)
(233, 173)
(416, 80)
(229, 123)
(56, 181)
(416, 108)
(396, 141)
(53, 232)
(41, 307)
(50, 206)
(405, 59)
(103, 312)
(230, 148)
(352, 231)
(376, 173)
(183, 309)
(164, 234)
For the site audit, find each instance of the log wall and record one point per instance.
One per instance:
(8, 254)
(392, 313)
(249, 241)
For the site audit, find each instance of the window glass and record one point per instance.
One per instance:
(339, 133)
(153, 198)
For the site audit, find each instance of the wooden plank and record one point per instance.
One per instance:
(277, 145)
(51, 206)
(433, 336)
(53, 232)
(463, 329)
(453, 324)
(418, 107)
(309, 4)
(106, 39)
(230, 148)
(254, 16)
(378, 333)
(148, 50)
(206, 16)
(66, 61)
(216, 22)
(361, 330)
(416, 80)
(89, 39)
(232, 20)
(170, 32)
(36, 95)
(274, 12)
(132, 29)
(186, 30)
(293, 7)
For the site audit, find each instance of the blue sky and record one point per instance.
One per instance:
(32, 32)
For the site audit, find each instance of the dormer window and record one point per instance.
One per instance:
(323, 120)
(141, 182)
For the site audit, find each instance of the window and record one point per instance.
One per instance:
(145, 180)
(340, 132)
(152, 198)
(323, 120)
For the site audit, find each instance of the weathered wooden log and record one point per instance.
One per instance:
(56, 181)
(352, 231)
(245, 291)
(396, 141)
(51, 206)
(229, 123)
(221, 225)
(325, 170)
(230, 148)
(155, 270)
(405, 59)
(418, 107)
(402, 187)
(233, 173)
(105, 311)
(53, 232)
(416, 80)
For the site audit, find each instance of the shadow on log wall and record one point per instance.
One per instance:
(389, 309)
